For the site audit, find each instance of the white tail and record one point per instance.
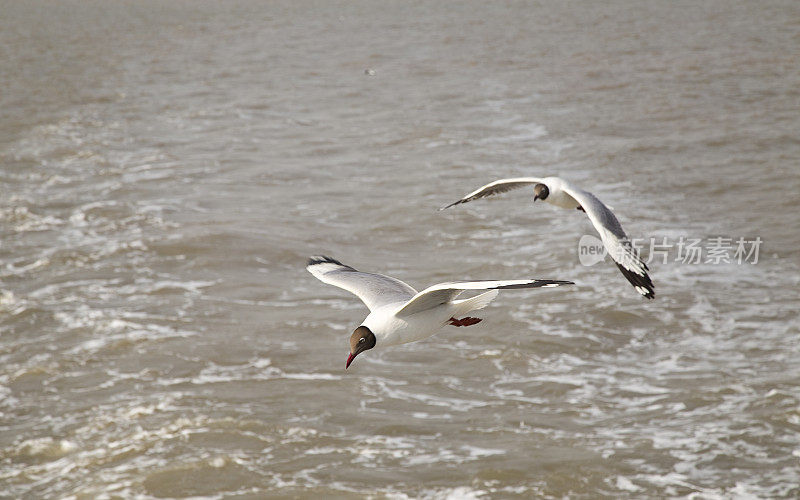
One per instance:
(475, 303)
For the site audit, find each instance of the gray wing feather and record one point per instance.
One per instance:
(445, 292)
(496, 187)
(375, 290)
(615, 240)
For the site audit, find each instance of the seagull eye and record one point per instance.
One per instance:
(362, 339)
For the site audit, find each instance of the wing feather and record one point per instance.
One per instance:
(496, 187)
(375, 290)
(445, 292)
(615, 240)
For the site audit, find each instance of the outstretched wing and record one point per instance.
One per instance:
(375, 290)
(615, 240)
(496, 187)
(445, 292)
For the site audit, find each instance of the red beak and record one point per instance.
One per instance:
(350, 359)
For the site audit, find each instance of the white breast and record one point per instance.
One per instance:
(557, 195)
(390, 330)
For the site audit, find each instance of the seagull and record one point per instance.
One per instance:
(561, 193)
(398, 313)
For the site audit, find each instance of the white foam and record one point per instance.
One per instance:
(458, 493)
(45, 447)
(626, 484)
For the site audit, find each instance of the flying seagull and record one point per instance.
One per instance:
(561, 193)
(398, 313)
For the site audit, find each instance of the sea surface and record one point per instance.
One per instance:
(167, 168)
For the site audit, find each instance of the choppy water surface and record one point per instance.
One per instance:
(167, 167)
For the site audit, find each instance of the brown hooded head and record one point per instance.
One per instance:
(361, 340)
(540, 192)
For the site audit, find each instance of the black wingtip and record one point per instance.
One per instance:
(322, 259)
(451, 205)
(641, 282)
(536, 283)
(555, 282)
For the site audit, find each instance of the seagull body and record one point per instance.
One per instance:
(398, 313)
(563, 194)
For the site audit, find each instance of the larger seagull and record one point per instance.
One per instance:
(398, 313)
(561, 193)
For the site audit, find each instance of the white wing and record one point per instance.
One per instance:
(496, 187)
(445, 292)
(375, 290)
(615, 240)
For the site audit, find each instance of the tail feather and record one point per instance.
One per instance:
(475, 303)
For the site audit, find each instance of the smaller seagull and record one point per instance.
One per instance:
(561, 193)
(398, 313)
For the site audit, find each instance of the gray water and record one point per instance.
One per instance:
(166, 168)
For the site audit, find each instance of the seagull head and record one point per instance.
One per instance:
(540, 192)
(361, 340)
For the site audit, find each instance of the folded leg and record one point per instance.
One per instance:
(465, 321)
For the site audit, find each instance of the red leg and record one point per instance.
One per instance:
(465, 321)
